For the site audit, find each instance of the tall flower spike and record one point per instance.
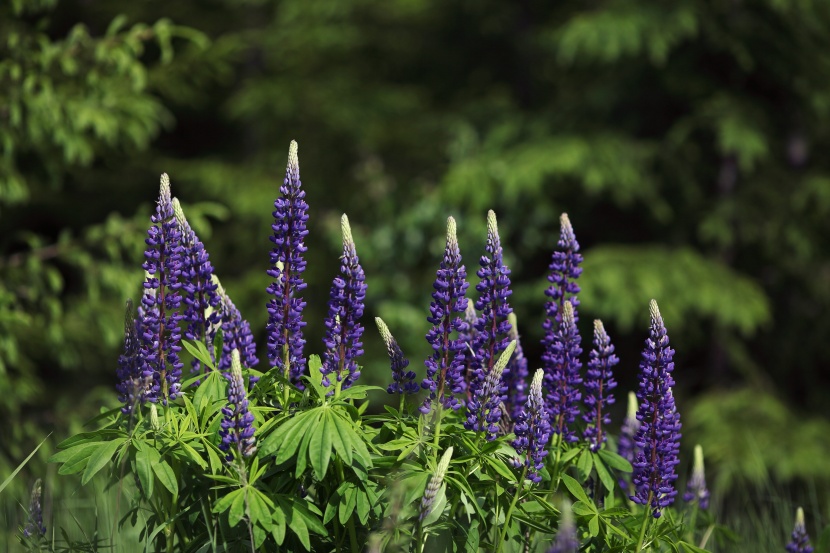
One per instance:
(200, 297)
(696, 489)
(237, 421)
(515, 378)
(484, 408)
(236, 333)
(132, 386)
(435, 484)
(626, 448)
(491, 327)
(533, 429)
(161, 335)
(445, 367)
(34, 527)
(599, 381)
(566, 540)
(564, 270)
(658, 439)
(285, 310)
(343, 328)
(561, 365)
(800, 542)
(403, 381)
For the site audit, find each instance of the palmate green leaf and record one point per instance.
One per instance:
(226, 501)
(348, 500)
(211, 390)
(501, 468)
(320, 444)
(237, 510)
(285, 440)
(100, 457)
(602, 472)
(143, 468)
(583, 464)
(615, 461)
(200, 352)
(260, 507)
(167, 477)
(576, 489)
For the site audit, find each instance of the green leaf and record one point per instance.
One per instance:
(260, 506)
(144, 470)
(99, 458)
(501, 468)
(200, 352)
(226, 501)
(194, 455)
(615, 461)
(438, 505)
(287, 437)
(237, 511)
(583, 464)
(67, 454)
(167, 477)
(581, 509)
(593, 526)
(319, 451)
(576, 489)
(604, 476)
(22, 464)
(685, 546)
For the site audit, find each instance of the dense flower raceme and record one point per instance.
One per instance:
(491, 327)
(34, 526)
(161, 335)
(132, 384)
(484, 407)
(285, 310)
(565, 540)
(435, 483)
(564, 270)
(800, 542)
(599, 381)
(237, 421)
(532, 429)
(343, 328)
(236, 333)
(515, 377)
(403, 381)
(562, 378)
(199, 289)
(696, 489)
(626, 448)
(445, 367)
(658, 438)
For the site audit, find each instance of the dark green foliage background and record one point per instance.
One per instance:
(685, 139)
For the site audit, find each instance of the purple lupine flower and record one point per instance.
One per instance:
(435, 483)
(403, 381)
(566, 540)
(484, 407)
(599, 381)
(132, 385)
(236, 334)
(237, 421)
(445, 367)
(285, 310)
(564, 270)
(491, 327)
(696, 489)
(658, 439)
(161, 335)
(626, 448)
(800, 542)
(515, 377)
(343, 328)
(34, 527)
(533, 429)
(200, 297)
(562, 380)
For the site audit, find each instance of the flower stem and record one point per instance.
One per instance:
(646, 517)
(437, 434)
(519, 486)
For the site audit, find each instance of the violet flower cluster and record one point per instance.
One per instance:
(435, 483)
(445, 367)
(34, 527)
(237, 421)
(800, 541)
(515, 377)
(236, 334)
(200, 297)
(343, 328)
(132, 385)
(484, 406)
(658, 438)
(696, 489)
(564, 270)
(599, 381)
(532, 429)
(285, 310)
(561, 365)
(491, 327)
(161, 335)
(403, 381)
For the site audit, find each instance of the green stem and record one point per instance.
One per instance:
(692, 522)
(437, 434)
(287, 375)
(646, 517)
(556, 468)
(350, 526)
(520, 484)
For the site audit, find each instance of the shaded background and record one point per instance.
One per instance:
(684, 139)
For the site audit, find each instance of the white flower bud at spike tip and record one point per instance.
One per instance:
(631, 414)
(513, 333)
(179, 213)
(655, 313)
(493, 227)
(536, 386)
(164, 188)
(599, 331)
(698, 466)
(293, 160)
(799, 519)
(452, 235)
(384, 332)
(568, 314)
(504, 359)
(347, 231)
(236, 365)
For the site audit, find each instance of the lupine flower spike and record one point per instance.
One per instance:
(491, 327)
(285, 310)
(564, 270)
(343, 328)
(236, 334)
(484, 408)
(435, 484)
(599, 381)
(237, 421)
(658, 438)
(533, 429)
(566, 540)
(561, 365)
(445, 367)
(403, 381)
(132, 386)
(198, 287)
(161, 335)
(34, 527)
(800, 542)
(696, 487)
(515, 378)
